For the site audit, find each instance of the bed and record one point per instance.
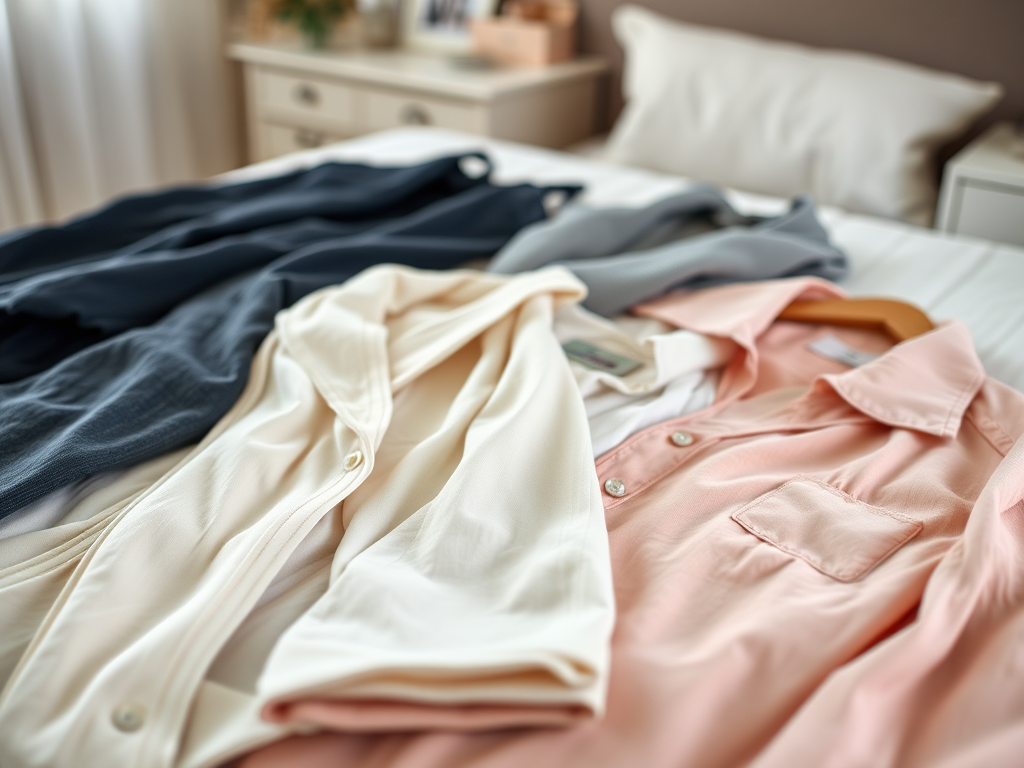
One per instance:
(972, 281)
(952, 278)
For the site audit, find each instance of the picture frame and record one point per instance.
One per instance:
(443, 25)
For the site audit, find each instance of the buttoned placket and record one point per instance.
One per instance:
(171, 703)
(669, 446)
(356, 466)
(153, 712)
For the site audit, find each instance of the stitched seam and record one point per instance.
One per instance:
(865, 406)
(915, 528)
(816, 564)
(960, 406)
(1002, 447)
(844, 575)
(29, 568)
(847, 497)
(47, 567)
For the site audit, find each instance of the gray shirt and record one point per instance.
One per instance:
(690, 240)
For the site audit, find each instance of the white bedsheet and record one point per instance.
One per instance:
(978, 282)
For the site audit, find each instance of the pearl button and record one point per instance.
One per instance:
(615, 487)
(353, 460)
(129, 717)
(682, 439)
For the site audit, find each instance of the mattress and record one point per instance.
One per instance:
(952, 278)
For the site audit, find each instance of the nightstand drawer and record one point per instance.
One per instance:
(308, 97)
(282, 139)
(394, 109)
(992, 211)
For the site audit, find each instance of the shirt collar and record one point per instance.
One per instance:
(924, 383)
(663, 352)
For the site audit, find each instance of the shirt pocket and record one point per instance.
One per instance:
(829, 530)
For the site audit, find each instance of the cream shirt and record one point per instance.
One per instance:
(424, 431)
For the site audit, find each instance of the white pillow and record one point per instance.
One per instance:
(853, 130)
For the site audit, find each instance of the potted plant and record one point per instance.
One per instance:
(314, 18)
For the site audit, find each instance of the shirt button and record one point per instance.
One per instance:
(129, 717)
(353, 460)
(615, 487)
(682, 439)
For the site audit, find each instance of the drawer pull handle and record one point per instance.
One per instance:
(304, 93)
(413, 114)
(308, 139)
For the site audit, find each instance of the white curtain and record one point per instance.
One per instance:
(20, 199)
(101, 97)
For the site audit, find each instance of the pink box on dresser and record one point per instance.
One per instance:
(510, 40)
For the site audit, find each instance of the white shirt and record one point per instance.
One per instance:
(674, 372)
(427, 430)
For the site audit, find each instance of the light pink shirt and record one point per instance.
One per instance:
(825, 567)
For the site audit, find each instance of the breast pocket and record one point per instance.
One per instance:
(829, 530)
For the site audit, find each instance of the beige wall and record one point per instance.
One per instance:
(983, 39)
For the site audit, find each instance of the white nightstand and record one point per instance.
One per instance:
(983, 189)
(298, 99)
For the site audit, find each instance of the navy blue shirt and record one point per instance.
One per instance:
(129, 332)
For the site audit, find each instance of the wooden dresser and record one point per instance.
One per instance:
(299, 99)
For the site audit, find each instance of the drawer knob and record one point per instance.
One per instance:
(304, 93)
(308, 139)
(413, 114)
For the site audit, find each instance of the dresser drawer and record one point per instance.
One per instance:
(386, 109)
(282, 139)
(309, 97)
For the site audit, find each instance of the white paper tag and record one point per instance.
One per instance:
(832, 348)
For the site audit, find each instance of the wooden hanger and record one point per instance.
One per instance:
(900, 320)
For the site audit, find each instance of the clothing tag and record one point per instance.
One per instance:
(587, 354)
(834, 349)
